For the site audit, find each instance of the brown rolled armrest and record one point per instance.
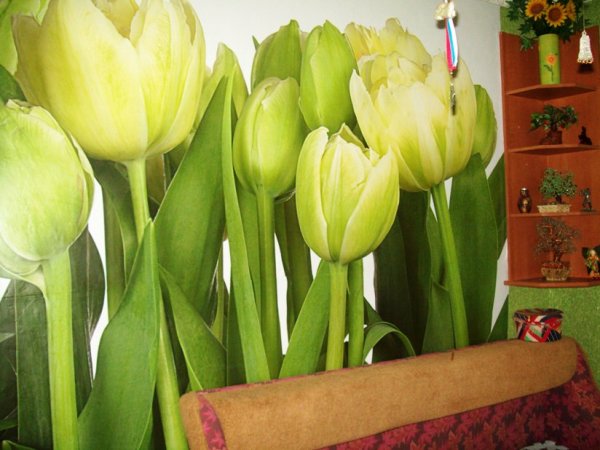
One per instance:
(330, 407)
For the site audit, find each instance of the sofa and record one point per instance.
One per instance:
(503, 395)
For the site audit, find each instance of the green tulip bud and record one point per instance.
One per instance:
(327, 64)
(486, 128)
(403, 109)
(268, 138)
(8, 9)
(347, 195)
(279, 55)
(46, 189)
(128, 90)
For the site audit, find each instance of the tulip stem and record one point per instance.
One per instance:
(268, 282)
(451, 267)
(167, 387)
(63, 401)
(356, 314)
(136, 170)
(338, 283)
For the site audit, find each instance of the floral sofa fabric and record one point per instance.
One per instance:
(505, 395)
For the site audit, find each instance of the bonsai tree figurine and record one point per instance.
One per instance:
(557, 238)
(555, 185)
(553, 119)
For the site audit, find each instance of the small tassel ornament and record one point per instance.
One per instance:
(585, 51)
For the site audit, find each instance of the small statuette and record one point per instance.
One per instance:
(587, 200)
(524, 203)
(585, 50)
(584, 139)
(592, 261)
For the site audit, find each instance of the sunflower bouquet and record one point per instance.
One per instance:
(538, 17)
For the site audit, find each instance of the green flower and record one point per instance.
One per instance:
(124, 81)
(279, 55)
(46, 187)
(268, 138)
(486, 128)
(327, 64)
(347, 195)
(404, 107)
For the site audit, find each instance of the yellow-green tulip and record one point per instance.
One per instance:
(347, 195)
(124, 81)
(486, 128)
(268, 138)
(327, 64)
(407, 110)
(8, 9)
(279, 55)
(46, 189)
(391, 39)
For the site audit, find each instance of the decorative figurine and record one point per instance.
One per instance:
(584, 138)
(524, 202)
(587, 200)
(592, 261)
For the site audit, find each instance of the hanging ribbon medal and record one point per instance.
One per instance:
(447, 13)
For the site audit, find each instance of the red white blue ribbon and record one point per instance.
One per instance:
(451, 45)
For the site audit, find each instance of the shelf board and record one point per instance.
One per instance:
(551, 91)
(572, 282)
(533, 215)
(554, 149)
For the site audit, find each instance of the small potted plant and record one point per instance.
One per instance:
(556, 238)
(553, 187)
(553, 119)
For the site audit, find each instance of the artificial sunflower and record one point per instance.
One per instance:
(571, 11)
(535, 9)
(556, 15)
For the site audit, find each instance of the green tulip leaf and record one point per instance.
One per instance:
(475, 233)
(295, 256)
(9, 88)
(8, 424)
(120, 235)
(306, 341)
(8, 363)
(405, 255)
(191, 218)
(375, 332)
(9, 445)
(235, 355)
(33, 388)
(498, 191)
(204, 354)
(119, 410)
(439, 333)
(255, 359)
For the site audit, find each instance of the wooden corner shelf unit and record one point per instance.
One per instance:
(526, 160)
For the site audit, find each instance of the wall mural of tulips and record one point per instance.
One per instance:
(340, 145)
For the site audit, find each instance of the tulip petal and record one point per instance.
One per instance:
(308, 193)
(344, 170)
(106, 112)
(279, 135)
(374, 213)
(169, 43)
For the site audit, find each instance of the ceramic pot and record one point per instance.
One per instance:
(556, 271)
